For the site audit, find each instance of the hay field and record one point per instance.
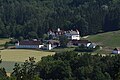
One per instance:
(3, 41)
(20, 55)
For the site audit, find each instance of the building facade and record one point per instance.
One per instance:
(29, 45)
(71, 34)
(116, 51)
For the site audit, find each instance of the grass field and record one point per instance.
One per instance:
(11, 56)
(20, 55)
(62, 49)
(109, 39)
(3, 40)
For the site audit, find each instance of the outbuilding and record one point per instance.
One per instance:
(116, 51)
(29, 44)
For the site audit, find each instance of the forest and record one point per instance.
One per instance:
(33, 18)
(67, 66)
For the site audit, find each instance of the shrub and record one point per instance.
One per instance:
(86, 49)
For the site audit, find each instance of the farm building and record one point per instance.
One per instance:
(116, 51)
(29, 44)
(51, 44)
(86, 43)
(71, 34)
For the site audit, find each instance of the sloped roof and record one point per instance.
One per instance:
(73, 32)
(80, 41)
(30, 43)
(53, 41)
(117, 49)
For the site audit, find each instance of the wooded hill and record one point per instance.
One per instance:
(33, 18)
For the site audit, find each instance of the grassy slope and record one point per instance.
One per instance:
(109, 39)
(3, 41)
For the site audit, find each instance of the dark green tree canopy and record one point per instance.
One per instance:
(23, 17)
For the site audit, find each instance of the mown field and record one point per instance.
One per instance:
(11, 56)
(20, 55)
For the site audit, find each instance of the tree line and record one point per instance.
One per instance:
(67, 66)
(33, 18)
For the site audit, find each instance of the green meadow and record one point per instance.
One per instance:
(108, 39)
(12, 56)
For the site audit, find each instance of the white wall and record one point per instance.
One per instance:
(49, 47)
(29, 46)
(115, 52)
(75, 37)
(40, 46)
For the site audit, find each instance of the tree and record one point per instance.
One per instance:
(32, 35)
(18, 18)
(63, 41)
(6, 45)
(20, 38)
(26, 70)
(54, 70)
(2, 29)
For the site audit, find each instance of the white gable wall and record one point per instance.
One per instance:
(40, 46)
(49, 46)
(75, 37)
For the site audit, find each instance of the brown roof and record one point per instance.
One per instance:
(53, 41)
(30, 42)
(80, 41)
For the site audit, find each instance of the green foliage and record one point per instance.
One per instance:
(67, 66)
(36, 77)
(63, 41)
(20, 38)
(3, 75)
(25, 71)
(6, 45)
(83, 48)
(55, 70)
(22, 18)
(45, 36)
(0, 58)
(32, 35)
(70, 65)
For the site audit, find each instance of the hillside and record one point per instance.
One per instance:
(34, 18)
(108, 39)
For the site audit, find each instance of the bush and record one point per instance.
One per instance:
(6, 45)
(86, 49)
